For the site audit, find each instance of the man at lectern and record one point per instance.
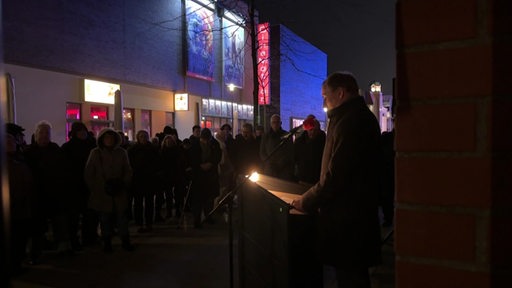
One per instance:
(346, 196)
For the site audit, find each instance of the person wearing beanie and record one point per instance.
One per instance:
(308, 149)
(16, 131)
(21, 197)
(76, 151)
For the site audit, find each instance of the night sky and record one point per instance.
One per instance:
(357, 35)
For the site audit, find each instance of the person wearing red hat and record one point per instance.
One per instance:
(308, 149)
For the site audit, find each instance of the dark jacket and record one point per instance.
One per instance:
(277, 163)
(308, 156)
(50, 176)
(146, 164)
(247, 159)
(174, 163)
(20, 187)
(205, 182)
(346, 197)
(76, 153)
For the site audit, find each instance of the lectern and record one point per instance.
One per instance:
(276, 243)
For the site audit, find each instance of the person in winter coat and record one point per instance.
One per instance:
(145, 163)
(346, 196)
(205, 156)
(76, 151)
(247, 149)
(308, 149)
(52, 201)
(108, 175)
(21, 198)
(173, 177)
(277, 163)
(226, 169)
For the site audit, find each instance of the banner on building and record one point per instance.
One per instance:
(200, 46)
(233, 37)
(263, 64)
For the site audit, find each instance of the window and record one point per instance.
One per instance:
(128, 122)
(145, 120)
(73, 113)
(169, 119)
(99, 118)
(99, 113)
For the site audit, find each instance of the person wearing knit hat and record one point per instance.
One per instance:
(308, 149)
(78, 129)
(17, 132)
(76, 151)
(309, 122)
(21, 193)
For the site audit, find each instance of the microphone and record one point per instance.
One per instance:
(292, 132)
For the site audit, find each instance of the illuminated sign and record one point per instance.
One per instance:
(263, 64)
(100, 92)
(181, 102)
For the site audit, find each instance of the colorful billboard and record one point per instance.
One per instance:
(263, 64)
(201, 57)
(233, 37)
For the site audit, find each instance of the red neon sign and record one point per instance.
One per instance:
(263, 64)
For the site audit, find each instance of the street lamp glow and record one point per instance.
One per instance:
(231, 87)
(375, 87)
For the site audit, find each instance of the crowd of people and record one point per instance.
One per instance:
(105, 180)
(60, 195)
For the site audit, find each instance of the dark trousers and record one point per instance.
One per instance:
(173, 196)
(90, 221)
(179, 198)
(353, 277)
(144, 207)
(20, 230)
(164, 196)
(388, 204)
(107, 220)
(201, 204)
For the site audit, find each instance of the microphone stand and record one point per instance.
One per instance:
(228, 199)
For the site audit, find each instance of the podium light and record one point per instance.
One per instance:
(254, 177)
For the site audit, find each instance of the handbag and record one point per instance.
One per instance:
(112, 186)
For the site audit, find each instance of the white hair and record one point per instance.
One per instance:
(43, 124)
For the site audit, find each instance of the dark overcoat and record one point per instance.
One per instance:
(308, 154)
(346, 196)
(205, 184)
(277, 163)
(146, 163)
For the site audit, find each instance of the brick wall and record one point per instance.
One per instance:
(453, 142)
